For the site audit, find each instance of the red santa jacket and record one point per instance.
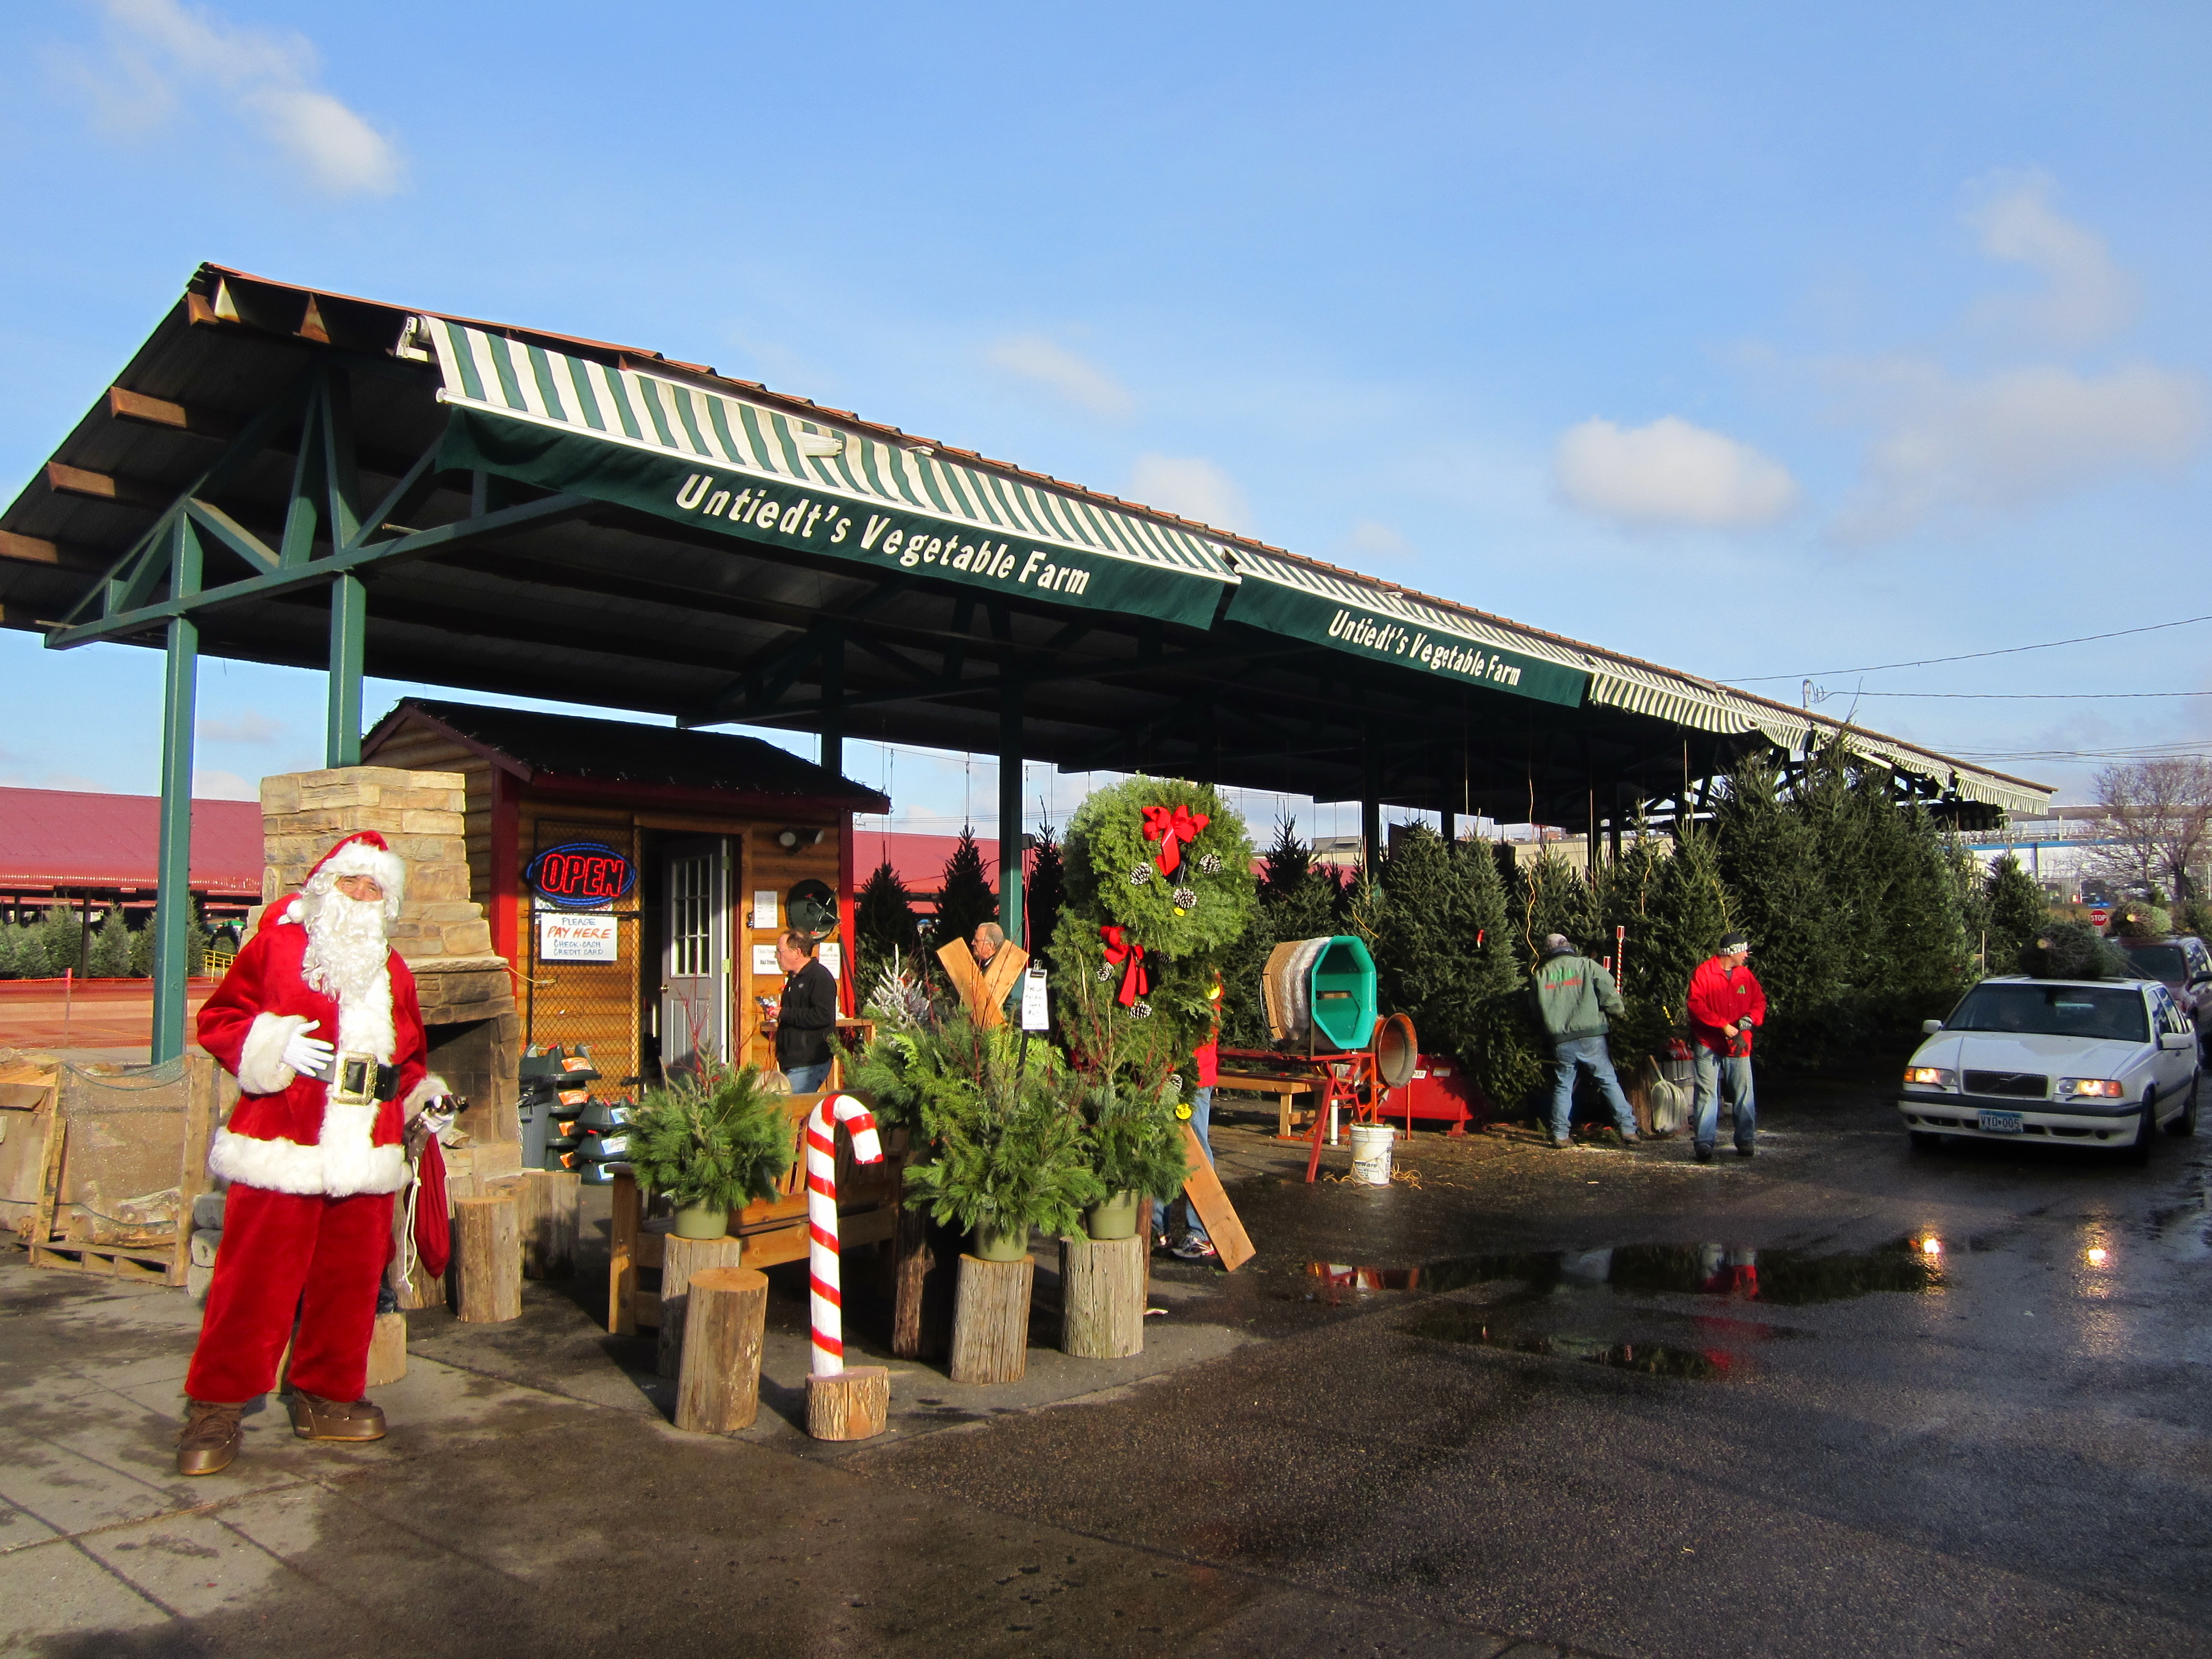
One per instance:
(1721, 995)
(284, 1134)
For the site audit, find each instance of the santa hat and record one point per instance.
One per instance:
(362, 854)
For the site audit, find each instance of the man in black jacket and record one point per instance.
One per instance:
(807, 1015)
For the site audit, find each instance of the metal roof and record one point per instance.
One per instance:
(69, 838)
(1304, 677)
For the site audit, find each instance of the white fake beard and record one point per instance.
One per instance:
(345, 961)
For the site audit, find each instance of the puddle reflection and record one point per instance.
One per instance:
(1469, 1325)
(1788, 1277)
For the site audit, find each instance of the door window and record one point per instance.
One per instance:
(691, 914)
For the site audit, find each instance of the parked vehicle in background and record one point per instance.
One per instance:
(2082, 1062)
(2183, 964)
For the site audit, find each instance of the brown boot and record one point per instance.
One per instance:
(210, 1439)
(314, 1418)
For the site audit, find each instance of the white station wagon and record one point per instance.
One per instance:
(2063, 1062)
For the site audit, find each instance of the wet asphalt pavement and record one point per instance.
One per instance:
(1841, 1399)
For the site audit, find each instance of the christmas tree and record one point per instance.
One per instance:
(966, 899)
(1045, 894)
(2019, 912)
(884, 924)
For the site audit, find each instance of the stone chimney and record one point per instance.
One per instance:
(466, 991)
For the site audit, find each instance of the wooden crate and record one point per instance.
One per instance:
(165, 1263)
(774, 1230)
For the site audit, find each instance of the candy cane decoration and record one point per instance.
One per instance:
(827, 1294)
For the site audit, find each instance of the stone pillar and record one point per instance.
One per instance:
(466, 992)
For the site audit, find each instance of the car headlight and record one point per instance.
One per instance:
(1931, 1076)
(2101, 1088)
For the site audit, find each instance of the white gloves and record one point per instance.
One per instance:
(309, 1056)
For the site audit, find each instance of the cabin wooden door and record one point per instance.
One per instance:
(695, 981)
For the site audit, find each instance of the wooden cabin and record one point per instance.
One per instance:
(636, 878)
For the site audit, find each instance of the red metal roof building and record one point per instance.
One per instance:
(74, 843)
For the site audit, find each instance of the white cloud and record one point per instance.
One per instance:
(2086, 296)
(161, 54)
(2010, 439)
(1195, 488)
(1670, 472)
(1370, 538)
(209, 784)
(1074, 379)
(251, 726)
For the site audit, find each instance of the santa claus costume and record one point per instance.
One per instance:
(312, 1152)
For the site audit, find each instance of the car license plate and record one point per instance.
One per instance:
(2000, 1123)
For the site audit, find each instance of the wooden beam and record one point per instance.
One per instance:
(125, 405)
(106, 487)
(30, 550)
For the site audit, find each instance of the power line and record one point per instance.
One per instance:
(2032, 696)
(1971, 656)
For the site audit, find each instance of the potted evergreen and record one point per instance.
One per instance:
(713, 1142)
(1128, 1086)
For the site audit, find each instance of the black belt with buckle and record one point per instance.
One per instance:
(362, 1080)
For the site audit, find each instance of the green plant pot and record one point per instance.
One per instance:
(1001, 1246)
(1115, 1218)
(701, 1221)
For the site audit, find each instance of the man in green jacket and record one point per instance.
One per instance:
(1574, 995)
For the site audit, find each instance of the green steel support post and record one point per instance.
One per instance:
(1449, 828)
(173, 913)
(1009, 810)
(833, 703)
(348, 628)
(1371, 807)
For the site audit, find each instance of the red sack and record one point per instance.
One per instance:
(433, 1236)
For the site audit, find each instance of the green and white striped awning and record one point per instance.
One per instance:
(1385, 625)
(746, 468)
(750, 470)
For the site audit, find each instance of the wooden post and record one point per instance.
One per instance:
(687, 1258)
(621, 1264)
(388, 1350)
(423, 1289)
(1101, 1297)
(487, 1259)
(922, 1295)
(718, 1384)
(851, 1405)
(551, 1202)
(991, 1322)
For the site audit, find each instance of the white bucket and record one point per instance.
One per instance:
(1371, 1153)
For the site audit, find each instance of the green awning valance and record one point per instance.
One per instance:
(754, 472)
(1386, 626)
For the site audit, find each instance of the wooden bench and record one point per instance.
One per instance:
(774, 1230)
(1285, 1090)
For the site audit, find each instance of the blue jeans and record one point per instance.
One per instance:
(1717, 1073)
(1201, 1114)
(1569, 1056)
(807, 1079)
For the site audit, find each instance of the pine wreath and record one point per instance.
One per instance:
(1201, 905)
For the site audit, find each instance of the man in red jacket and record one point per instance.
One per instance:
(318, 1020)
(1725, 1003)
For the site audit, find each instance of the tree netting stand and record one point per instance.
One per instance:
(125, 1155)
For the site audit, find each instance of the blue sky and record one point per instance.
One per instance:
(1754, 341)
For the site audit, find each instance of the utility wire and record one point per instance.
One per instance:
(1971, 656)
(2032, 696)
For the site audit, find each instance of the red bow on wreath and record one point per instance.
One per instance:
(1171, 829)
(1135, 981)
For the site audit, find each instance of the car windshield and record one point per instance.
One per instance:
(2083, 1011)
(2160, 962)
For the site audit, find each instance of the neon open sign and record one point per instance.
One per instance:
(581, 875)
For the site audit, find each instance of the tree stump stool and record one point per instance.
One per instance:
(551, 1201)
(1101, 1297)
(991, 1320)
(388, 1350)
(487, 1259)
(685, 1259)
(718, 1381)
(925, 1272)
(851, 1405)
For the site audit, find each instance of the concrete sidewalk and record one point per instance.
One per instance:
(531, 1499)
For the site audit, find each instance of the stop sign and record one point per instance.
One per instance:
(2099, 916)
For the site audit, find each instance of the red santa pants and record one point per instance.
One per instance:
(282, 1253)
